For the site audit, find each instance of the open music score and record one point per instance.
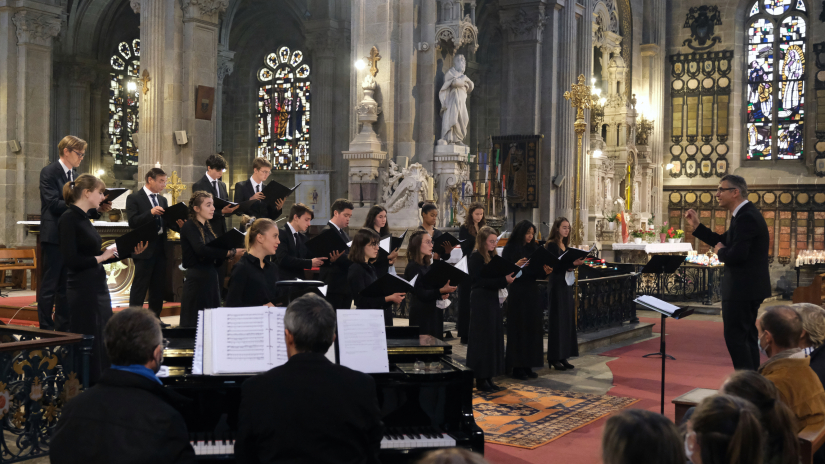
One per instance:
(241, 340)
(362, 340)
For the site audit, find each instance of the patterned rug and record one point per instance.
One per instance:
(529, 417)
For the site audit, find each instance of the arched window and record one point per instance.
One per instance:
(283, 110)
(776, 79)
(124, 93)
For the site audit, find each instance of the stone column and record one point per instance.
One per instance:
(153, 45)
(80, 79)
(427, 120)
(97, 121)
(653, 51)
(226, 64)
(364, 154)
(565, 158)
(551, 103)
(25, 89)
(323, 43)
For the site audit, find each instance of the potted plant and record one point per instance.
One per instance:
(675, 235)
(650, 235)
(663, 232)
(611, 220)
(638, 235)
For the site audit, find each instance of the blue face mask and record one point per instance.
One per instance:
(761, 349)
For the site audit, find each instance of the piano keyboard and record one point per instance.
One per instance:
(209, 446)
(416, 437)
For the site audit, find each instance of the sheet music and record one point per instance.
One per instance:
(247, 340)
(657, 303)
(197, 360)
(362, 340)
(385, 244)
(462, 265)
(120, 202)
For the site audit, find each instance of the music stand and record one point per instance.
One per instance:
(298, 287)
(679, 313)
(661, 265)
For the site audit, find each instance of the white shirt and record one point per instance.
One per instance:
(255, 184)
(149, 194)
(210, 178)
(335, 225)
(739, 207)
(292, 229)
(214, 182)
(65, 169)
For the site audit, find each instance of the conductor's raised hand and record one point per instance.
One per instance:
(157, 211)
(522, 262)
(141, 247)
(318, 262)
(335, 255)
(692, 218)
(447, 288)
(510, 278)
(229, 209)
(394, 298)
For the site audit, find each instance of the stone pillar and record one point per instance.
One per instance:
(153, 45)
(657, 93)
(80, 79)
(364, 154)
(226, 64)
(566, 115)
(97, 123)
(427, 120)
(552, 103)
(25, 88)
(323, 43)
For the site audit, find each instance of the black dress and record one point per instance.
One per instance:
(485, 350)
(251, 284)
(464, 288)
(359, 277)
(201, 287)
(525, 324)
(87, 292)
(561, 332)
(423, 312)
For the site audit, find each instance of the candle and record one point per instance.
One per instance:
(431, 188)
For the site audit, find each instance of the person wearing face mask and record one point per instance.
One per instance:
(128, 417)
(778, 332)
(254, 277)
(635, 436)
(423, 312)
(87, 290)
(724, 430)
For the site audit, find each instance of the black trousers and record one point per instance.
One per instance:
(339, 300)
(52, 291)
(150, 275)
(739, 318)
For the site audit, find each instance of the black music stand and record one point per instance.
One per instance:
(661, 265)
(298, 288)
(677, 314)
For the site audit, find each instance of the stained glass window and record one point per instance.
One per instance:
(124, 102)
(283, 110)
(776, 77)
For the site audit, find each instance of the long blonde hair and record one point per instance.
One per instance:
(481, 243)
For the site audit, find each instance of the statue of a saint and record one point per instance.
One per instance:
(453, 96)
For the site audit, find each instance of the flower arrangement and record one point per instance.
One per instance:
(638, 233)
(650, 234)
(612, 217)
(675, 233)
(663, 228)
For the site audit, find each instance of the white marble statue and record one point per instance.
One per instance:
(453, 96)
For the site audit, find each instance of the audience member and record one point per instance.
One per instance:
(813, 336)
(452, 456)
(309, 409)
(637, 436)
(779, 330)
(724, 430)
(128, 417)
(777, 420)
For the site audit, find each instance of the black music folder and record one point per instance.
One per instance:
(175, 212)
(499, 267)
(539, 258)
(446, 237)
(127, 242)
(440, 272)
(112, 193)
(390, 243)
(275, 191)
(387, 285)
(230, 240)
(572, 254)
(325, 243)
(220, 204)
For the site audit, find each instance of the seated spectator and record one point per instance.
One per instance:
(452, 456)
(777, 420)
(127, 417)
(637, 436)
(309, 409)
(779, 330)
(813, 336)
(724, 430)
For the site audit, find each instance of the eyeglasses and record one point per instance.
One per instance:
(82, 155)
(722, 189)
(374, 244)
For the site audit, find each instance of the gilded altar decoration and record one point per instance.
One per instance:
(113, 271)
(72, 387)
(50, 414)
(580, 99)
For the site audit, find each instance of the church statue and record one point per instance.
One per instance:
(453, 96)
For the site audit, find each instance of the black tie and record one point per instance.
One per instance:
(69, 175)
(343, 235)
(215, 186)
(258, 188)
(158, 219)
(296, 238)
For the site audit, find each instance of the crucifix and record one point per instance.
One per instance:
(373, 60)
(145, 80)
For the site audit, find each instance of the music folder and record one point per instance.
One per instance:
(112, 193)
(220, 204)
(499, 267)
(232, 239)
(175, 212)
(572, 254)
(390, 243)
(539, 258)
(323, 244)
(275, 191)
(387, 285)
(663, 307)
(440, 272)
(127, 242)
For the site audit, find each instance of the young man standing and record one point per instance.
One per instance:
(211, 182)
(53, 285)
(252, 189)
(292, 255)
(334, 272)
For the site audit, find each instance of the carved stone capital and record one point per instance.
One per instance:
(524, 25)
(203, 9)
(135, 4)
(36, 28)
(226, 63)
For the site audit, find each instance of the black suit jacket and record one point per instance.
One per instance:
(329, 414)
(335, 274)
(292, 258)
(218, 222)
(746, 276)
(52, 206)
(139, 212)
(260, 209)
(125, 418)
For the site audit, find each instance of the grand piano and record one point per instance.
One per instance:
(425, 399)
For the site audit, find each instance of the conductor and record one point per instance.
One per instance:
(746, 280)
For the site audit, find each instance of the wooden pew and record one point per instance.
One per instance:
(811, 294)
(811, 438)
(16, 260)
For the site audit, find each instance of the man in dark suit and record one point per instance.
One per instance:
(52, 290)
(252, 189)
(746, 281)
(330, 412)
(292, 255)
(334, 272)
(144, 206)
(211, 183)
(128, 417)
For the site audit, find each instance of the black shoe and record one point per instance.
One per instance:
(484, 386)
(519, 374)
(495, 387)
(529, 373)
(558, 366)
(567, 364)
(463, 340)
